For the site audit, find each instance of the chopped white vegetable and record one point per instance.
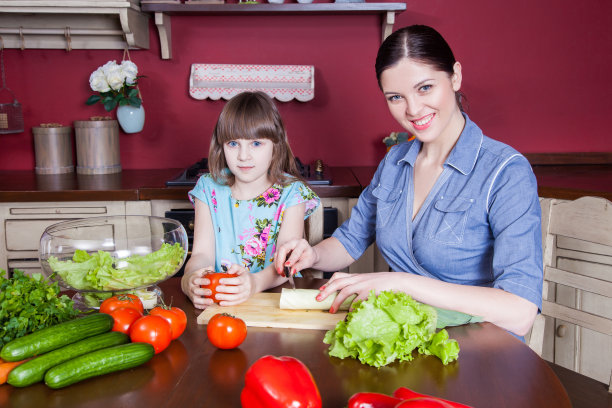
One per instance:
(147, 297)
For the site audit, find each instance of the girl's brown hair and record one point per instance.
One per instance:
(252, 115)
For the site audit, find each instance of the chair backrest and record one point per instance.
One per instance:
(575, 327)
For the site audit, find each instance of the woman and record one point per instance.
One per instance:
(456, 210)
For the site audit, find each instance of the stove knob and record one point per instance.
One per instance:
(191, 225)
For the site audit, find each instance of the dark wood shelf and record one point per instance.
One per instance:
(163, 11)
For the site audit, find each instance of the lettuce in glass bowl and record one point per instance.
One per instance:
(101, 256)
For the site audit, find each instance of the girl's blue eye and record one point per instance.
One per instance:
(394, 98)
(425, 88)
(256, 143)
(232, 143)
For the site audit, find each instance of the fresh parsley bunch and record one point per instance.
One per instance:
(31, 303)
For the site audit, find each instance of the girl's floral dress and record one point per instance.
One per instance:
(246, 230)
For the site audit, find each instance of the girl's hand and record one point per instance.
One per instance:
(360, 284)
(235, 290)
(296, 254)
(192, 287)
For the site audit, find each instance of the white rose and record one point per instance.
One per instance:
(130, 72)
(115, 77)
(97, 81)
(108, 66)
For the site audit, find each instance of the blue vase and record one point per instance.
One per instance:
(131, 118)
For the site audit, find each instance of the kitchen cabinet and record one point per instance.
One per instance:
(579, 349)
(582, 350)
(23, 224)
(73, 24)
(163, 10)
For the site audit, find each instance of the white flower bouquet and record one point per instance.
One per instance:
(116, 84)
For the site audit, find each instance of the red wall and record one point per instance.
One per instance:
(536, 75)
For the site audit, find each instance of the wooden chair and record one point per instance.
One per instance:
(575, 327)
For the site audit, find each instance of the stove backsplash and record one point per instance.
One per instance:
(315, 174)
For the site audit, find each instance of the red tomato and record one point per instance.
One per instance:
(122, 300)
(226, 331)
(175, 316)
(214, 282)
(154, 330)
(124, 317)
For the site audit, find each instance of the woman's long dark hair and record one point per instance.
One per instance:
(420, 43)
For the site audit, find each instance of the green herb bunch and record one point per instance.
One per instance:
(30, 303)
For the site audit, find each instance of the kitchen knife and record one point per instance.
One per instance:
(288, 274)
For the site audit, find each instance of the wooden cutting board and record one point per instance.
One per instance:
(262, 310)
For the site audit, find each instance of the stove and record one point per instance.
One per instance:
(315, 174)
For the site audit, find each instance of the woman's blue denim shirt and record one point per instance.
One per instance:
(479, 225)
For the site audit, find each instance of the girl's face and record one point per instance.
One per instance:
(249, 160)
(422, 99)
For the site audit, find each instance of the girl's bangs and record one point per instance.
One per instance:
(246, 125)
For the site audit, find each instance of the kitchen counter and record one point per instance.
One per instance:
(566, 182)
(128, 185)
(554, 181)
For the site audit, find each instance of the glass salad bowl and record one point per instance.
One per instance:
(99, 257)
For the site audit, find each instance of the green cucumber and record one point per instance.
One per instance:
(53, 337)
(34, 370)
(99, 362)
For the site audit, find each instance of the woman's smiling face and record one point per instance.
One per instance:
(422, 99)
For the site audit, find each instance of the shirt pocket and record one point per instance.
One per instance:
(386, 200)
(449, 217)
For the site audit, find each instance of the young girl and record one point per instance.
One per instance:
(251, 201)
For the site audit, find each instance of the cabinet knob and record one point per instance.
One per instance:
(191, 225)
(561, 330)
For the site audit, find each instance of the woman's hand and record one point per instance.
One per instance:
(191, 284)
(235, 290)
(296, 254)
(360, 284)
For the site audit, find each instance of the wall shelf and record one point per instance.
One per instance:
(163, 11)
(73, 24)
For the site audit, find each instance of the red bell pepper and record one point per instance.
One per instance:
(423, 402)
(279, 382)
(406, 394)
(372, 400)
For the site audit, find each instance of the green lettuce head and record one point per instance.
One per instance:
(390, 327)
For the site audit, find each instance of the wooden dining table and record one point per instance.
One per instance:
(494, 369)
